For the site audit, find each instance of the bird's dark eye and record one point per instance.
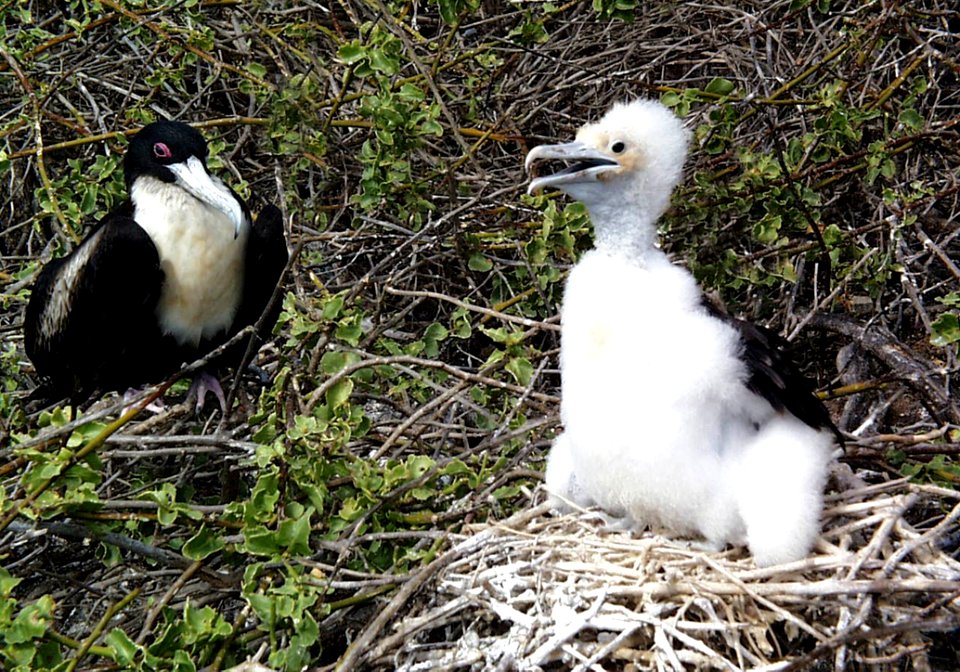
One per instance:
(161, 151)
(617, 147)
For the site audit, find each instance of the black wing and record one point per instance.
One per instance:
(266, 258)
(773, 375)
(90, 323)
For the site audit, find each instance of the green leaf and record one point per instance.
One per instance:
(670, 99)
(294, 534)
(419, 465)
(521, 369)
(351, 53)
(338, 393)
(203, 623)
(84, 433)
(478, 262)
(332, 361)
(431, 127)
(298, 654)
(720, 86)
(912, 119)
(7, 582)
(332, 307)
(946, 329)
(506, 492)
(456, 467)
(423, 493)
(432, 336)
(350, 333)
(496, 334)
(767, 230)
(89, 201)
(383, 62)
(448, 11)
(125, 649)
(31, 623)
(436, 331)
(202, 544)
(260, 541)
(263, 498)
(952, 299)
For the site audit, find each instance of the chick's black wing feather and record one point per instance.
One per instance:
(773, 375)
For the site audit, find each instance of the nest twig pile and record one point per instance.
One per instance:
(534, 591)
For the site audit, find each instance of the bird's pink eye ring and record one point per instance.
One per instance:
(161, 151)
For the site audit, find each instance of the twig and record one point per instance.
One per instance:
(174, 588)
(523, 321)
(81, 533)
(101, 625)
(882, 344)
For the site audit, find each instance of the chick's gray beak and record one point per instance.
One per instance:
(587, 164)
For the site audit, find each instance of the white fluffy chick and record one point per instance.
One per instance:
(675, 415)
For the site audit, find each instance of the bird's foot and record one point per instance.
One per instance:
(614, 521)
(703, 545)
(156, 406)
(263, 378)
(204, 383)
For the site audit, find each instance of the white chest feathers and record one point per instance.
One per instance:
(636, 336)
(202, 261)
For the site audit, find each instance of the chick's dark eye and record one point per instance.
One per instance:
(161, 151)
(617, 147)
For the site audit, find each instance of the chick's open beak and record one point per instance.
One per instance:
(586, 164)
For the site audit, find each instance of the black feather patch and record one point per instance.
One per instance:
(773, 375)
(105, 334)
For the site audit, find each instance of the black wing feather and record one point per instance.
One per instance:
(773, 375)
(266, 257)
(106, 335)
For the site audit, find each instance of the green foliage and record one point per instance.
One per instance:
(946, 329)
(940, 469)
(777, 197)
(285, 602)
(452, 10)
(401, 118)
(184, 642)
(13, 419)
(82, 193)
(22, 629)
(615, 9)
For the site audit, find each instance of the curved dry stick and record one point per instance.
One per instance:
(882, 344)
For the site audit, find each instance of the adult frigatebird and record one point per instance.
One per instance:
(176, 271)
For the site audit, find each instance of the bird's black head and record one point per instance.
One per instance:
(159, 145)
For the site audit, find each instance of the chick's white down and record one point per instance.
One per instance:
(660, 428)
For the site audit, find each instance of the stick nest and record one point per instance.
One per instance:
(539, 591)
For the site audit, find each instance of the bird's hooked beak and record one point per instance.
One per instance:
(587, 164)
(193, 177)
